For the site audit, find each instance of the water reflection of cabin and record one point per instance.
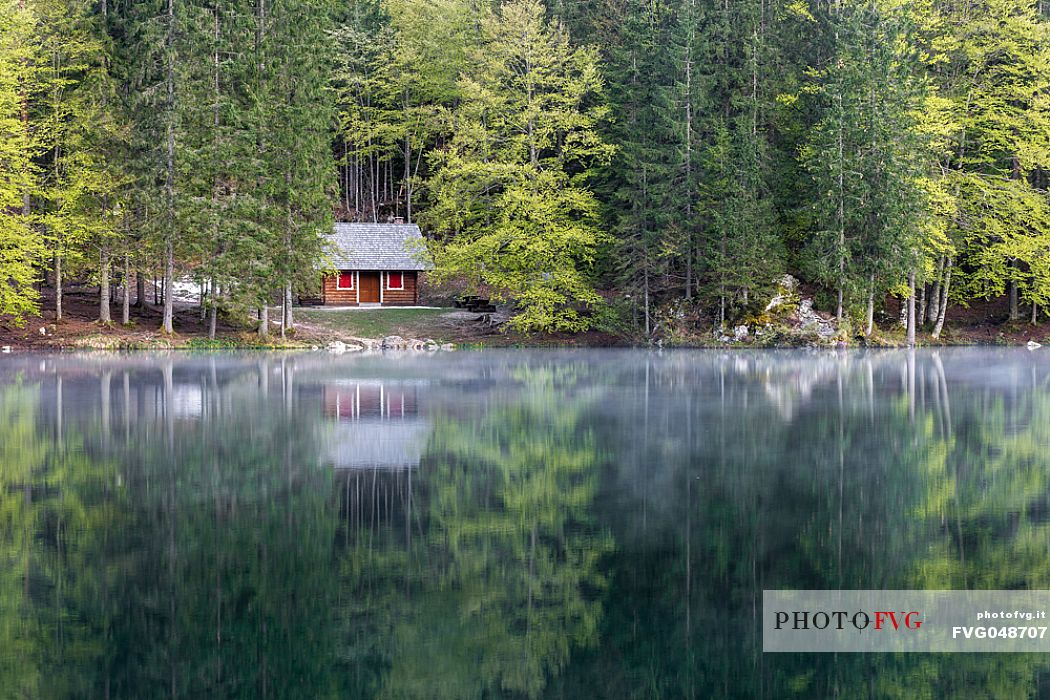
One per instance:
(355, 400)
(378, 425)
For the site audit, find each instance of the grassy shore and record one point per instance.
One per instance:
(431, 323)
(316, 327)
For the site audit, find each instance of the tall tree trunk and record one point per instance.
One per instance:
(1035, 313)
(911, 309)
(167, 325)
(946, 286)
(289, 298)
(125, 302)
(1015, 307)
(58, 286)
(213, 311)
(921, 308)
(870, 316)
(140, 289)
(103, 288)
(264, 321)
(842, 214)
(24, 116)
(648, 325)
(346, 176)
(284, 315)
(408, 176)
(169, 281)
(373, 173)
(689, 159)
(934, 304)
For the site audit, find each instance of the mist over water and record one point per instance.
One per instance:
(562, 524)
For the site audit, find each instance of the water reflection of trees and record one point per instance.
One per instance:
(849, 471)
(128, 571)
(488, 581)
(574, 527)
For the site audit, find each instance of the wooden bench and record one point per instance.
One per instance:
(464, 301)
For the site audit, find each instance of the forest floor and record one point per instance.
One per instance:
(314, 326)
(986, 323)
(983, 323)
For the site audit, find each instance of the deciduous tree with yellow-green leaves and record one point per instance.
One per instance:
(990, 61)
(510, 188)
(21, 79)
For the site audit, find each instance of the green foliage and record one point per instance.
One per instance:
(21, 79)
(510, 186)
(662, 152)
(991, 62)
(234, 157)
(863, 156)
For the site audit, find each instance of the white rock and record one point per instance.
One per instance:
(1032, 345)
(6, 349)
(447, 347)
(43, 330)
(336, 347)
(740, 332)
(393, 342)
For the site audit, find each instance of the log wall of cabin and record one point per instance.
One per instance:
(409, 296)
(401, 297)
(339, 297)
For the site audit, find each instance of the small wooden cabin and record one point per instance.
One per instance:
(378, 265)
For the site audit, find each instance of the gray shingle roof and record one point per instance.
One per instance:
(378, 247)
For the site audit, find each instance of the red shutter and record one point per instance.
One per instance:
(395, 280)
(346, 280)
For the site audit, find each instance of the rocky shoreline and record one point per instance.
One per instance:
(390, 342)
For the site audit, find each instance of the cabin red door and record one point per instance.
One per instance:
(369, 287)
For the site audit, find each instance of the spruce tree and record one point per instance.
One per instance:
(864, 158)
(647, 183)
(298, 144)
(743, 253)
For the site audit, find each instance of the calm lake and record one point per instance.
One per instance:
(564, 524)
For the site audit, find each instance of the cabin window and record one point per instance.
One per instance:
(395, 280)
(345, 280)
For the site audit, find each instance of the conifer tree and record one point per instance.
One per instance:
(152, 42)
(864, 158)
(743, 251)
(299, 144)
(646, 182)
